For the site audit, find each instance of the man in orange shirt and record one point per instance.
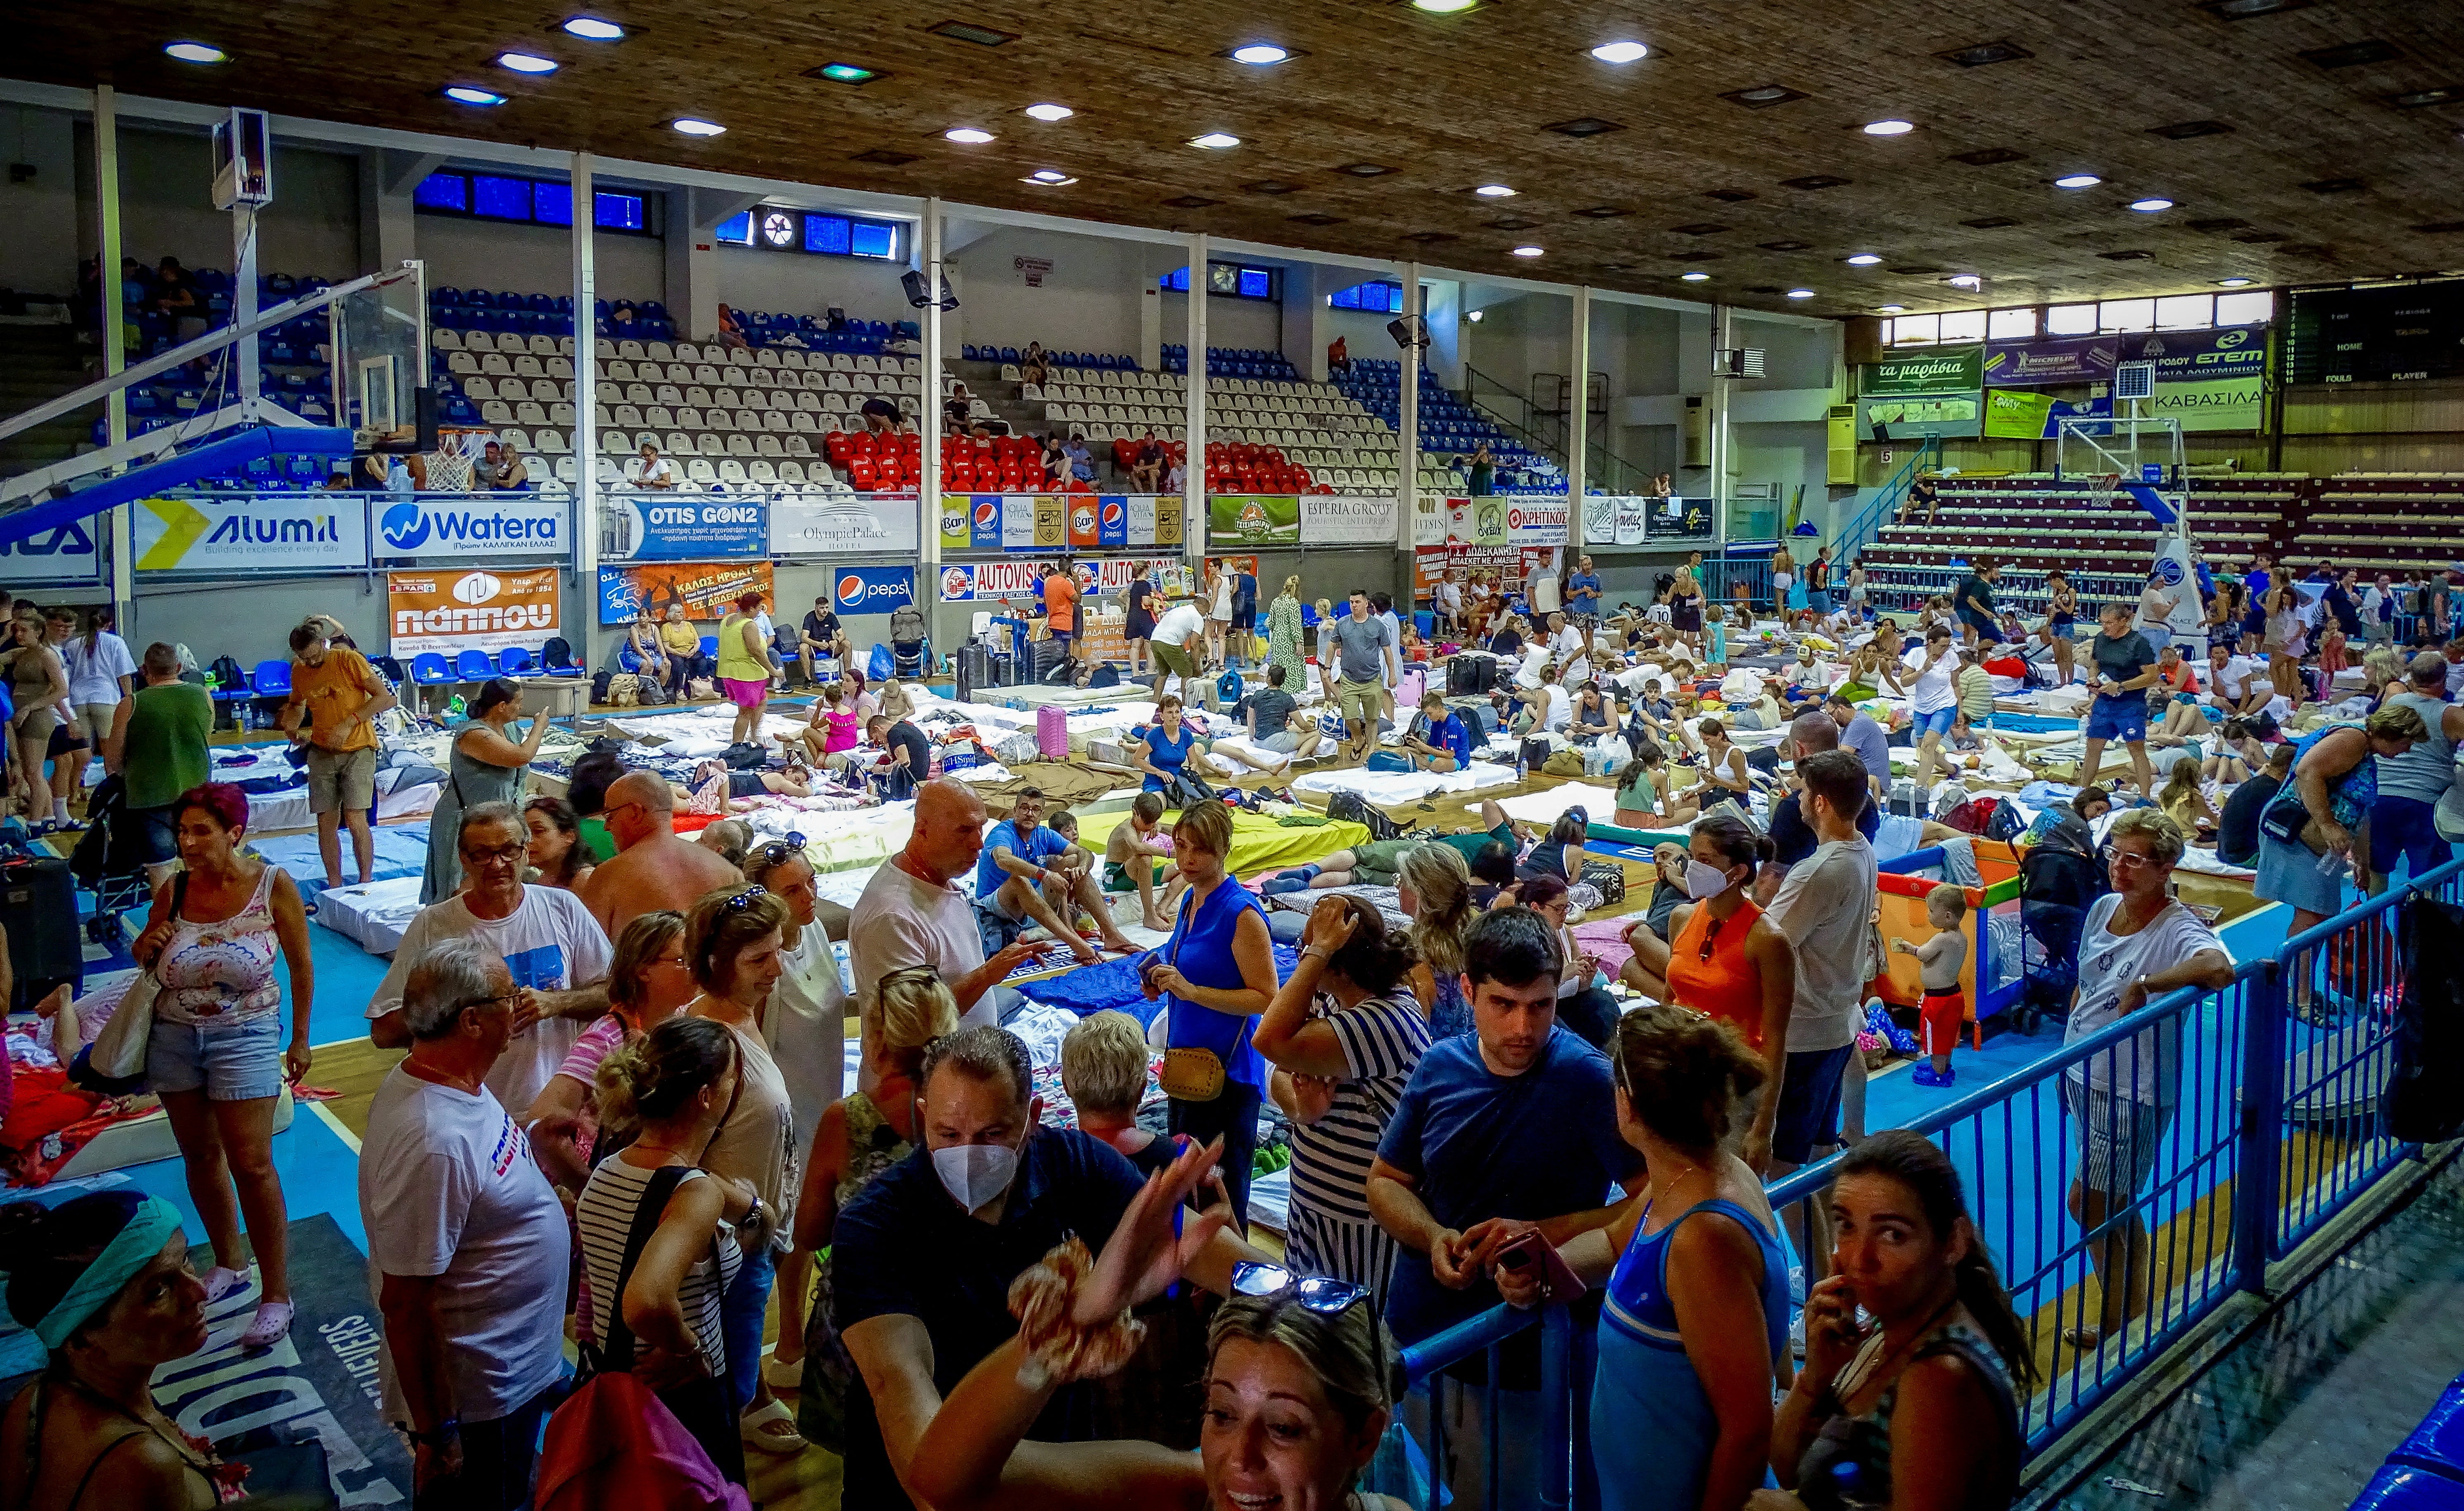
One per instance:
(342, 695)
(1061, 614)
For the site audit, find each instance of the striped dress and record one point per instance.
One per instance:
(605, 1217)
(1331, 1231)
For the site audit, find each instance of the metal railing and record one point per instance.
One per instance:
(2131, 1183)
(1604, 470)
(1884, 506)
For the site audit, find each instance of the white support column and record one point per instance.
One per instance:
(1578, 428)
(1407, 474)
(585, 395)
(244, 293)
(928, 486)
(1724, 333)
(1193, 498)
(115, 346)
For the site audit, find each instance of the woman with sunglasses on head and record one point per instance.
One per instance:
(1915, 1405)
(1581, 1006)
(732, 941)
(558, 857)
(484, 764)
(647, 983)
(1295, 1384)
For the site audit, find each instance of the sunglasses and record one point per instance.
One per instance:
(778, 852)
(1710, 937)
(744, 900)
(1323, 1294)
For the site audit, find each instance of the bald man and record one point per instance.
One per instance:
(911, 915)
(652, 869)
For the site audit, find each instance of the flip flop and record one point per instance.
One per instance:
(761, 1429)
(2084, 1338)
(272, 1321)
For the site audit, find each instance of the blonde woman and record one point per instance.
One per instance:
(1326, 648)
(1284, 633)
(1433, 887)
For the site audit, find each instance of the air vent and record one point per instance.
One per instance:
(1728, 196)
(1604, 213)
(1365, 170)
(2333, 185)
(1812, 181)
(1744, 361)
(1583, 126)
(1984, 53)
(969, 32)
(1700, 228)
(1271, 186)
(2219, 222)
(1511, 222)
(2126, 257)
(1913, 271)
(1317, 220)
(1784, 246)
(2351, 55)
(1190, 202)
(1989, 221)
(2439, 228)
(1430, 238)
(883, 157)
(1762, 97)
(2184, 130)
(1988, 156)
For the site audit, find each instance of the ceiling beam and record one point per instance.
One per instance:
(708, 208)
(403, 171)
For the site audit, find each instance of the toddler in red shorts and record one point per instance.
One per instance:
(1945, 1008)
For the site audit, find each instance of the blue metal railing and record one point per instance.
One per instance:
(1884, 505)
(2231, 1128)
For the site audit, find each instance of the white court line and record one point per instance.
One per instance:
(336, 1124)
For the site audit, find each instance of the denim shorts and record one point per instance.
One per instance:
(1938, 722)
(236, 1061)
(2123, 718)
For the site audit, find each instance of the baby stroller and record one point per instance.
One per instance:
(110, 862)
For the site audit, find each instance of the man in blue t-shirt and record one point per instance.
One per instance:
(1583, 600)
(1028, 873)
(1439, 740)
(1507, 1130)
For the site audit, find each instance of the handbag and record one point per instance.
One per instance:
(119, 1051)
(1190, 1074)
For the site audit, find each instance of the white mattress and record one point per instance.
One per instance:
(1387, 788)
(1544, 807)
(142, 1141)
(374, 916)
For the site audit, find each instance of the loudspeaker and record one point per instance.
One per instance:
(1881, 432)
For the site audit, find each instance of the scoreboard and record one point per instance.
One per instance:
(2394, 333)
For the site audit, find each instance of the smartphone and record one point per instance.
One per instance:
(1558, 1283)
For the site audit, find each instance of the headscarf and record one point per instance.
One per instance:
(151, 1222)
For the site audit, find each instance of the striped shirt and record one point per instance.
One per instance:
(1382, 1040)
(605, 1216)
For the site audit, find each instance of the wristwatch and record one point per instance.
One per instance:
(753, 1217)
(444, 1432)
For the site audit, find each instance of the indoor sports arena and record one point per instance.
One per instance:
(1595, 757)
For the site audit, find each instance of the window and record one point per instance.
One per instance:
(1378, 298)
(2126, 314)
(775, 228)
(2011, 326)
(2186, 312)
(1231, 279)
(2071, 319)
(542, 202)
(1964, 325)
(2245, 309)
(1914, 330)
(827, 233)
(874, 239)
(735, 231)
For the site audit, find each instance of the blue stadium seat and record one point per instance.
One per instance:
(627, 660)
(475, 666)
(710, 646)
(430, 668)
(2398, 1487)
(271, 679)
(514, 661)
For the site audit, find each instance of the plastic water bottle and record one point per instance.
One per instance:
(2335, 864)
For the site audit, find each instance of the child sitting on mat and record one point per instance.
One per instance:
(1943, 1010)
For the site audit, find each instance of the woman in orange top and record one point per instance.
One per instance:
(1723, 960)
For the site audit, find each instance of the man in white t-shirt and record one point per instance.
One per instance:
(2231, 680)
(1175, 644)
(1540, 587)
(1565, 644)
(911, 915)
(556, 950)
(467, 1247)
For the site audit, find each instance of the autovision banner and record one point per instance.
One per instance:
(250, 533)
(502, 525)
(968, 581)
(810, 524)
(682, 527)
(1933, 370)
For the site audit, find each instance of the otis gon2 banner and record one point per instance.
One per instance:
(449, 612)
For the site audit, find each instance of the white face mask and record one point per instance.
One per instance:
(1704, 879)
(975, 1175)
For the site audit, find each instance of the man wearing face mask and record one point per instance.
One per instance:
(922, 1260)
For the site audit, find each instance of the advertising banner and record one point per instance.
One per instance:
(1054, 522)
(1954, 415)
(1429, 519)
(1478, 522)
(61, 556)
(1142, 519)
(2196, 355)
(682, 527)
(1534, 521)
(451, 612)
(967, 582)
(1428, 562)
(2052, 363)
(821, 524)
(1170, 523)
(1242, 519)
(706, 589)
(1017, 522)
(872, 589)
(2023, 415)
(1051, 513)
(1336, 519)
(1112, 522)
(1633, 520)
(1599, 519)
(287, 532)
(501, 525)
(1934, 370)
(1083, 531)
(2212, 404)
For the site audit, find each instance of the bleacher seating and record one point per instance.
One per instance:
(2426, 1471)
(1449, 428)
(2392, 522)
(294, 362)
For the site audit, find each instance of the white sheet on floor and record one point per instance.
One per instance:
(1544, 807)
(373, 916)
(1386, 788)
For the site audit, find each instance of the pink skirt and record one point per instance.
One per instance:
(745, 694)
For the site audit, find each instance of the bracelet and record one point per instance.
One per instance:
(1058, 1349)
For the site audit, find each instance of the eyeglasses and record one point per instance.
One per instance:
(2129, 862)
(1322, 1294)
(499, 853)
(742, 900)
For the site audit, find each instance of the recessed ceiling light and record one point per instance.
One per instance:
(2444, 94)
(1494, 191)
(2233, 283)
(1985, 52)
(1050, 112)
(2242, 10)
(1260, 53)
(969, 32)
(197, 52)
(2076, 181)
(1443, 7)
(526, 62)
(1887, 128)
(1965, 280)
(693, 127)
(1693, 277)
(1862, 259)
(1365, 170)
(2149, 207)
(1528, 251)
(1050, 178)
(595, 29)
(1215, 139)
(1620, 52)
(846, 72)
(1801, 293)
(969, 134)
(464, 94)
(1889, 309)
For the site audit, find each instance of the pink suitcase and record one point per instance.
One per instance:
(1409, 687)
(1052, 732)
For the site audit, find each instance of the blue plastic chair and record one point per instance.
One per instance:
(429, 668)
(475, 666)
(710, 646)
(627, 660)
(516, 661)
(2399, 1487)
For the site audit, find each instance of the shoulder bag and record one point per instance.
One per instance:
(1191, 1074)
(118, 1054)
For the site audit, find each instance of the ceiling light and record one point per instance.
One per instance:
(1050, 112)
(1888, 129)
(2149, 207)
(1693, 277)
(1473, 316)
(1260, 53)
(2233, 283)
(846, 72)
(1494, 191)
(969, 134)
(2076, 181)
(1215, 139)
(468, 95)
(1801, 293)
(1862, 259)
(1965, 280)
(1889, 309)
(197, 52)
(1620, 52)
(693, 128)
(1050, 178)
(1443, 7)
(1526, 252)
(595, 29)
(526, 62)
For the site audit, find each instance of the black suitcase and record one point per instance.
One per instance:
(1467, 676)
(972, 668)
(38, 906)
(1049, 657)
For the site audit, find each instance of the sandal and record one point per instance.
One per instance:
(2085, 1339)
(772, 1429)
(782, 1374)
(272, 1323)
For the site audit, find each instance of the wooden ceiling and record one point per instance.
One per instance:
(2319, 142)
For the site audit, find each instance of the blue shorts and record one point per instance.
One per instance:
(2124, 718)
(1937, 722)
(237, 1061)
(155, 832)
(1984, 628)
(1806, 1125)
(2402, 828)
(1819, 600)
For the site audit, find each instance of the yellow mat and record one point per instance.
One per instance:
(1257, 843)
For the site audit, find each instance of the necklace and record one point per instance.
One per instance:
(1882, 1366)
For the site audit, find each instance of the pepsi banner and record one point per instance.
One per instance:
(815, 524)
(423, 527)
(870, 589)
(682, 527)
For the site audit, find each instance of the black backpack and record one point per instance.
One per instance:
(599, 687)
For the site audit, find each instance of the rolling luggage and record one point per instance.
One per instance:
(1052, 732)
(46, 948)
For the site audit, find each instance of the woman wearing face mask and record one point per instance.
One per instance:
(662, 1322)
(1916, 1407)
(647, 983)
(1726, 961)
(733, 939)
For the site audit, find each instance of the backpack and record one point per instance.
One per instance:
(1228, 686)
(1105, 675)
(599, 680)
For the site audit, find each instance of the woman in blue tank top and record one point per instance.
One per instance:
(1694, 1333)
